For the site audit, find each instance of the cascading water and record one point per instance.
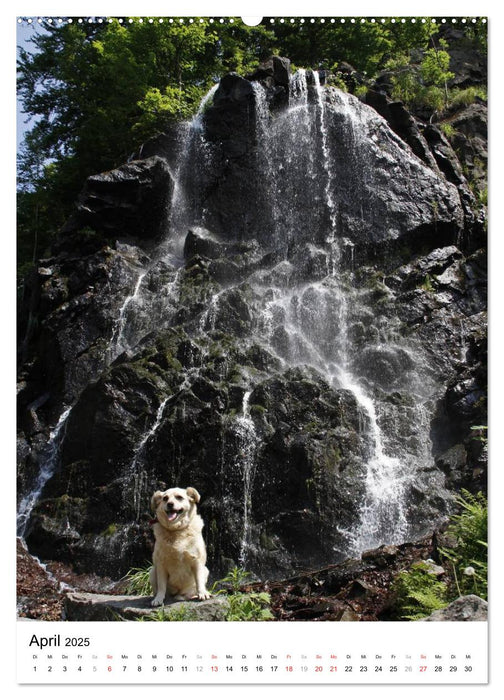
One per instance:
(49, 464)
(152, 300)
(149, 304)
(309, 323)
(135, 471)
(246, 463)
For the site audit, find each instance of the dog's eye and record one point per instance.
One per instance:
(165, 498)
(179, 498)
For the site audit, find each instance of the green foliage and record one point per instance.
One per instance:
(360, 91)
(469, 556)
(248, 607)
(159, 108)
(424, 85)
(434, 68)
(477, 34)
(138, 582)
(96, 91)
(243, 607)
(447, 129)
(365, 45)
(337, 82)
(235, 579)
(427, 285)
(418, 592)
(482, 197)
(463, 97)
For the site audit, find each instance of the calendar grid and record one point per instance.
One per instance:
(282, 653)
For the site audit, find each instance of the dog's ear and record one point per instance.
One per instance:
(192, 494)
(156, 497)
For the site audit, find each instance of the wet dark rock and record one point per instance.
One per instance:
(403, 123)
(165, 145)
(72, 313)
(201, 242)
(275, 71)
(385, 365)
(133, 200)
(470, 142)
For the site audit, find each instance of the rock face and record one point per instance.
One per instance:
(305, 345)
(134, 199)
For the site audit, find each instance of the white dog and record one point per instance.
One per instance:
(179, 552)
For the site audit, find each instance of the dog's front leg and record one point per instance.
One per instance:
(201, 576)
(160, 589)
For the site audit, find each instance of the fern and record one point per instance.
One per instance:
(469, 556)
(418, 592)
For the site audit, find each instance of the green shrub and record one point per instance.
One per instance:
(426, 85)
(463, 97)
(243, 607)
(138, 582)
(447, 129)
(469, 556)
(418, 592)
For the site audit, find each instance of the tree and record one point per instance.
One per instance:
(98, 90)
(364, 44)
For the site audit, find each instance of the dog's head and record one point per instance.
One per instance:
(175, 507)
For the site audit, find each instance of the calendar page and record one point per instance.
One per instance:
(252, 349)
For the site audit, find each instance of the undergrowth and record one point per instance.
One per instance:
(241, 606)
(419, 591)
(468, 557)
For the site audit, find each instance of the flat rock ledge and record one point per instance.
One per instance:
(468, 608)
(95, 606)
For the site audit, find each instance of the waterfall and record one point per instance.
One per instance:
(246, 463)
(118, 342)
(140, 311)
(149, 303)
(134, 472)
(184, 213)
(306, 303)
(49, 464)
(309, 323)
(329, 184)
(383, 511)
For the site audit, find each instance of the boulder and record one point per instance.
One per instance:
(469, 608)
(130, 201)
(95, 606)
(273, 72)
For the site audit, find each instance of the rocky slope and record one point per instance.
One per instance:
(267, 306)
